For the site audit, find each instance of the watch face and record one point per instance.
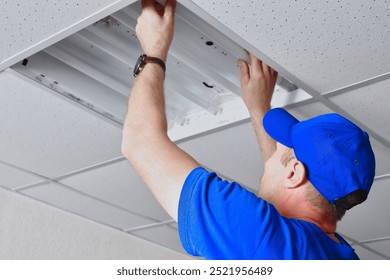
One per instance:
(139, 65)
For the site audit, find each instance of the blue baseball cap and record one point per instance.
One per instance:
(336, 153)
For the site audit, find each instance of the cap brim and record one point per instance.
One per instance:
(278, 124)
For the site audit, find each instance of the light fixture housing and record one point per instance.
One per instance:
(93, 68)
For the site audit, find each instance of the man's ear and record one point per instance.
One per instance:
(295, 174)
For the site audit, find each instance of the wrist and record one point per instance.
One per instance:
(144, 60)
(259, 110)
(163, 57)
(159, 53)
(257, 115)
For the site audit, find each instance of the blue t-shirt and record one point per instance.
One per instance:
(222, 220)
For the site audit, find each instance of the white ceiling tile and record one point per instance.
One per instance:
(47, 135)
(325, 44)
(382, 158)
(85, 206)
(12, 178)
(382, 247)
(369, 219)
(27, 24)
(233, 153)
(166, 236)
(365, 254)
(119, 184)
(309, 111)
(369, 105)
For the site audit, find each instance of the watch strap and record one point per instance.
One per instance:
(150, 59)
(143, 60)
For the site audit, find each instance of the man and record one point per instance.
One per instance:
(315, 171)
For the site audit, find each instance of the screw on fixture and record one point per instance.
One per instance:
(108, 22)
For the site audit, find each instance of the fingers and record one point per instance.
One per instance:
(244, 70)
(147, 3)
(274, 73)
(256, 64)
(170, 8)
(159, 8)
(259, 67)
(267, 69)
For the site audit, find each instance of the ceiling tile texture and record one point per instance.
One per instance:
(27, 24)
(48, 136)
(326, 44)
(66, 157)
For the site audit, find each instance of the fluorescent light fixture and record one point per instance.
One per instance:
(93, 68)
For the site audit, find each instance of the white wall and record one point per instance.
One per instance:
(34, 230)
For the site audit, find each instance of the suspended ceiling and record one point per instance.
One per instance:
(66, 153)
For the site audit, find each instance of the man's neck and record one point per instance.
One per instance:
(301, 210)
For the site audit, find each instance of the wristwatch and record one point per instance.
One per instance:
(143, 59)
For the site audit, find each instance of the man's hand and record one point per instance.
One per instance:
(257, 87)
(257, 84)
(155, 27)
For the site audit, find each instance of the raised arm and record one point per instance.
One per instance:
(159, 162)
(257, 86)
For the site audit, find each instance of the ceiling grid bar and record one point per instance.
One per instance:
(324, 100)
(150, 226)
(382, 177)
(358, 85)
(153, 220)
(333, 106)
(113, 205)
(49, 180)
(375, 240)
(363, 245)
(169, 223)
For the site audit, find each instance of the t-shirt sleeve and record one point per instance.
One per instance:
(220, 219)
